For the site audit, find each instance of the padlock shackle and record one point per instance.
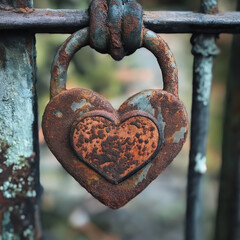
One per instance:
(160, 49)
(79, 39)
(62, 59)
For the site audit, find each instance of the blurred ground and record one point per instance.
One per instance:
(68, 211)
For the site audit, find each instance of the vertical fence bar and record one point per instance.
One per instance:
(228, 214)
(204, 49)
(19, 154)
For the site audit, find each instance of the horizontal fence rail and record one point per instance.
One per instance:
(69, 21)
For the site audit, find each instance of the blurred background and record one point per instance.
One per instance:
(68, 211)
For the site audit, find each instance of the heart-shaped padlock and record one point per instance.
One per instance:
(115, 154)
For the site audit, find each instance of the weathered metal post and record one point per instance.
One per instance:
(19, 154)
(228, 215)
(204, 49)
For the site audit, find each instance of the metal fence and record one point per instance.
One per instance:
(20, 189)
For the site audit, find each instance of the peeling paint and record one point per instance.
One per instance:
(115, 27)
(78, 105)
(28, 233)
(10, 189)
(7, 228)
(151, 34)
(31, 193)
(170, 53)
(159, 48)
(200, 164)
(144, 174)
(142, 102)
(58, 113)
(71, 47)
(18, 131)
(99, 39)
(204, 70)
(179, 135)
(17, 99)
(209, 6)
(17, 165)
(62, 59)
(173, 64)
(204, 47)
(8, 232)
(161, 122)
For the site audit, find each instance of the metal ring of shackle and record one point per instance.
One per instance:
(150, 40)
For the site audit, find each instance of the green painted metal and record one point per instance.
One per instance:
(19, 154)
(204, 49)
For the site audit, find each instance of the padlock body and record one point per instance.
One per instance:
(156, 108)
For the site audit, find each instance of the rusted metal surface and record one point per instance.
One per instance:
(150, 40)
(165, 58)
(70, 21)
(115, 148)
(115, 27)
(98, 21)
(63, 58)
(65, 128)
(132, 26)
(19, 159)
(204, 50)
(65, 108)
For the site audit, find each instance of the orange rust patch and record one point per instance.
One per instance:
(115, 151)
(131, 22)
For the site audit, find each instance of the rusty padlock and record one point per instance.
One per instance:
(115, 154)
